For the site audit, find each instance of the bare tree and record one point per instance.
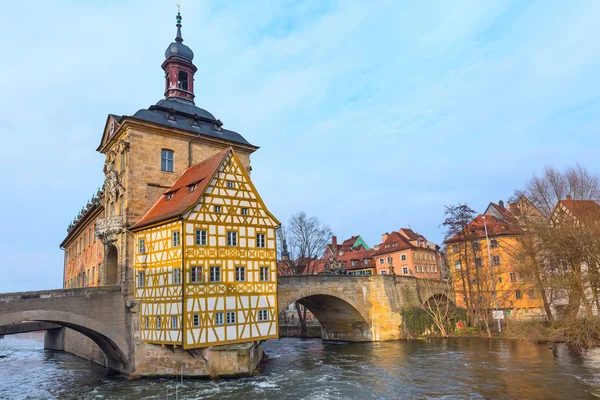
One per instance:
(563, 248)
(438, 307)
(301, 245)
(456, 223)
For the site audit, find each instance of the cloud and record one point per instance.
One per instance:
(370, 115)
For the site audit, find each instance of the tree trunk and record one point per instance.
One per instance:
(301, 320)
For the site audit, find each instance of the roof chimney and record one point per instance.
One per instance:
(569, 197)
(384, 237)
(501, 204)
(334, 248)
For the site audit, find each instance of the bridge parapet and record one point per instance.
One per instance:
(101, 314)
(358, 308)
(55, 293)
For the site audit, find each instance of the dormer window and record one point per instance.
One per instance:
(169, 196)
(182, 80)
(192, 187)
(170, 116)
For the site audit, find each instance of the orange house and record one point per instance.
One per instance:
(406, 252)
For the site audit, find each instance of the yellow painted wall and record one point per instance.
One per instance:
(249, 299)
(506, 275)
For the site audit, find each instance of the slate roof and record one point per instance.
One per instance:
(181, 198)
(189, 118)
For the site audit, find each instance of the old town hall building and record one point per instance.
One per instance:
(178, 223)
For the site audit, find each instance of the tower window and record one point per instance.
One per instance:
(166, 160)
(182, 80)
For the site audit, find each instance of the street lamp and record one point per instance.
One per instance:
(487, 241)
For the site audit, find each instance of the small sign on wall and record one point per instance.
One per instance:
(498, 314)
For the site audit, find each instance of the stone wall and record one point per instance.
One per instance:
(357, 308)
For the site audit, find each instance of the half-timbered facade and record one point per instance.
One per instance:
(206, 260)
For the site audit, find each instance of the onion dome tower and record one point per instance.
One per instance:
(179, 69)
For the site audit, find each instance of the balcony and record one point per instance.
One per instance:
(108, 229)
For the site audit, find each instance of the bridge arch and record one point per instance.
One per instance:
(340, 318)
(113, 345)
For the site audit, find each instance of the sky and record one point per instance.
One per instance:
(371, 116)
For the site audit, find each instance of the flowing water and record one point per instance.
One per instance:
(311, 369)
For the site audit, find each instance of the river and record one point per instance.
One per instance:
(311, 369)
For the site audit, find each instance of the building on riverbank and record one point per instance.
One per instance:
(147, 157)
(485, 265)
(206, 260)
(84, 253)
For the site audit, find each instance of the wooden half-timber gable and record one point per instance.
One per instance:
(253, 300)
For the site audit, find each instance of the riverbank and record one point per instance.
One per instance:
(578, 336)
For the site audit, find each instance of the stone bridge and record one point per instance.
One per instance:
(104, 327)
(358, 308)
(97, 313)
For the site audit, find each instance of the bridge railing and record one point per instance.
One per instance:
(43, 294)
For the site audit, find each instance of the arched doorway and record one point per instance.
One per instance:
(111, 265)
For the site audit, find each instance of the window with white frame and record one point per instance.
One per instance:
(403, 257)
(231, 238)
(176, 275)
(141, 279)
(495, 261)
(215, 274)
(217, 209)
(263, 315)
(381, 261)
(196, 320)
(166, 160)
(494, 243)
(196, 274)
(173, 322)
(389, 259)
(260, 240)
(457, 265)
(513, 276)
(142, 246)
(231, 317)
(175, 240)
(405, 270)
(219, 318)
(240, 274)
(264, 274)
(200, 237)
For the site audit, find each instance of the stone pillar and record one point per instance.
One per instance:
(54, 339)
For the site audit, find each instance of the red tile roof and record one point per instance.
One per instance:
(181, 198)
(582, 209)
(495, 227)
(394, 242)
(411, 234)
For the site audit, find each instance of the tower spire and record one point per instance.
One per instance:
(178, 39)
(179, 68)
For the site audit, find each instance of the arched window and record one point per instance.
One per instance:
(182, 80)
(166, 160)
